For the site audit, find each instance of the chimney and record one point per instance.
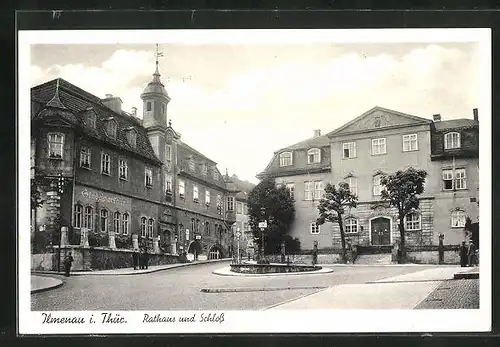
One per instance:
(436, 118)
(317, 132)
(474, 112)
(134, 111)
(113, 102)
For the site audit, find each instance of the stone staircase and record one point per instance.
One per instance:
(374, 259)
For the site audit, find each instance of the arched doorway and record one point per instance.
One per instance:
(195, 248)
(380, 231)
(215, 252)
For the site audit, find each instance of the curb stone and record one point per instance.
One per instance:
(43, 289)
(262, 289)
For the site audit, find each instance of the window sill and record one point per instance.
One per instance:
(347, 158)
(123, 179)
(85, 167)
(149, 187)
(55, 158)
(105, 173)
(410, 150)
(379, 154)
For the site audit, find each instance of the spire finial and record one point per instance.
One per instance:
(55, 101)
(170, 123)
(157, 55)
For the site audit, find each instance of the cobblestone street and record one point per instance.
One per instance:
(453, 294)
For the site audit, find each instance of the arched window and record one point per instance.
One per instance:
(104, 220)
(351, 225)
(111, 128)
(286, 159)
(452, 140)
(458, 219)
(88, 218)
(125, 221)
(313, 156)
(143, 226)
(77, 219)
(413, 221)
(116, 222)
(150, 227)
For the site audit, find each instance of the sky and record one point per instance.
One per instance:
(239, 103)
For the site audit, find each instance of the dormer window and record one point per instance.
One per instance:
(90, 119)
(215, 174)
(132, 137)
(204, 169)
(313, 156)
(56, 144)
(111, 128)
(451, 140)
(286, 159)
(192, 165)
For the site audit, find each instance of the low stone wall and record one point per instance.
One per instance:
(271, 268)
(432, 257)
(96, 258)
(332, 257)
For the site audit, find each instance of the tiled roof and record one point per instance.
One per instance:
(455, 123)
(244, 186)
(318, 141)
(80, 102)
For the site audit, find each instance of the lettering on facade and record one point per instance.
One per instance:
(101, 197)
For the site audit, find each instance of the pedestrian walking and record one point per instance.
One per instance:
(463, 255)
(68, 260)
(135, 258)
(141, 259)
(472, 254)
(146, 258)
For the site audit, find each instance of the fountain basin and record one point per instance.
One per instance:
(248, 268)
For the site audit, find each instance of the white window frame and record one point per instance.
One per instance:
(460, 179)
(204, 169)
(377, 186)
(143, 226)
(91, 119)
(148, 172)
(291, 189)
(286, 159)
(182, 188)
(78, 216)
(351, 150)
(85, 157)
(88, 217)
(168, 152)
(351, 225)
(314, 228)
(458, 219)
(216, 174)
(239, 207)
(318, 190)
(168, 183)
(353, 184)
(447, 175)
(411, 224)
(207, 197)
(55, 145)
(230, 203)
(112, 128)
(116, 222)
(132, 138)
(196, 196)
(379, 146)
(123, 169)
(315, 154)
(452, 140)
(104, 218)
(105, 163)
(308, 190)
(125, 223)
(192, 164)
(410, 142)
(150, 232)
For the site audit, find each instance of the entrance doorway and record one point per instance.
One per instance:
(380, 231)
(215, 253)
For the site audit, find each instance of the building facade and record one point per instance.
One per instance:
(123, 182)
(379, 142)
(242, 226)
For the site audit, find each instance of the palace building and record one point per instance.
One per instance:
(379, 142)
(113, 180)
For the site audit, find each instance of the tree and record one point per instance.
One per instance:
(401, 190)
(38, 181)
(332, 207)
(274, 204)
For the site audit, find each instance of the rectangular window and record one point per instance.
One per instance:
(204, 169)
(77, 218)
(104, 220)
(410, 143)
(291, 188)
(144, 223)
(168, 183)
(377, 187)
(192, 164)
(286, 159)
(378, 146)
(105, 168)
(447, 179)
(207, 197)
(351, 226)
(458, 219)
(123, 169)
(353, 185)
(181, 188)
(56, 144)
(314, 228)
(88, 218)
(230, 203)
(148, 177)
(239, 208)
(460, 182)
(412, 221)
(451, 140)
(195, 193)
(318, 190)
(313, 156)
(168, 152)
(149, 106)
(245, 209)
(125, 222)
(150, 228)
(349, 149)
(116, 222)
(85, 156)
(308, 190)
(219, 203)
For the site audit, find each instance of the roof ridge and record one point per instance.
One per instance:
(196, 151)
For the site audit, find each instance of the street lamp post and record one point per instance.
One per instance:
(238, 234)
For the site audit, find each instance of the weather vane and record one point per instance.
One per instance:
(158, 54)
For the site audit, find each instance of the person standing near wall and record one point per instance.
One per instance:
(68, 260)
(463, 255)
(472, 254)
(135, 258)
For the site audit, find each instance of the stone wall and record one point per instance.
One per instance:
(325, 258)
(98, 258)
(431, 256)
